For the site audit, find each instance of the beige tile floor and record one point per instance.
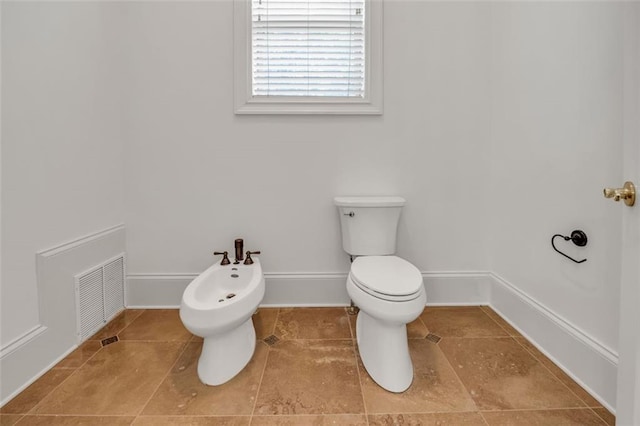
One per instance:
(481, 372)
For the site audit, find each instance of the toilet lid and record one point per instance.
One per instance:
(386, 275)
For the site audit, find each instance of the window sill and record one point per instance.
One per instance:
(323, 107)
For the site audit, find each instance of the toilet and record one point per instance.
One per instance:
(388, 289)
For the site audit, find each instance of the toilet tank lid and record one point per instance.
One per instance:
(369, 201)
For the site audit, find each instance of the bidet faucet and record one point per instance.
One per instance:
(239, 245)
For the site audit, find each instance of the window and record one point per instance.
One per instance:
(308, 56)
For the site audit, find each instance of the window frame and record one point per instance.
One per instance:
(246, 103)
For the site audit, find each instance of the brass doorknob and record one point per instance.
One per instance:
(626, 193)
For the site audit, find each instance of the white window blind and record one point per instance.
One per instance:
(308, 48)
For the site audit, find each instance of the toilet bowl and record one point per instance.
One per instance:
(388, 290)
(217, 306)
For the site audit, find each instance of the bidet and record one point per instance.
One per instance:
(217, 306)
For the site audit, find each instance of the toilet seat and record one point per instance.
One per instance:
(386, 277)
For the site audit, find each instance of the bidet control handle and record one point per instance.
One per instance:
(225, 257)
(248, 260)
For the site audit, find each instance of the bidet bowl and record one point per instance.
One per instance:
(222, 297)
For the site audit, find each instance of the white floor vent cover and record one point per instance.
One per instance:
(99, 296)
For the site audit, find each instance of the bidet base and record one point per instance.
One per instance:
(384, 350)
(225, 355)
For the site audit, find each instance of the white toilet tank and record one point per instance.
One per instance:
(369, 224)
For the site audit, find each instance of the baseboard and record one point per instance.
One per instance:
(154, 291)
(23, 340)
(311, 289)
(18, 364)
(469, 288)
(587, 361)
(591, 364)
(148, 291)
(25, 359)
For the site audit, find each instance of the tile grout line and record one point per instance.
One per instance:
(519, 410)
(22, 416)
(161, 381)
(483, 418)
(554, 376)
(584, 406)
(424, 324)
(598, 415)
(142, 311)
(523, 410)
(30, 411)
(264, 368)
(275, 322)
(85, 361)
(456, 374)
(471, 337)
(496, 322)
(356, 357)
(189, 340)
(352, 331)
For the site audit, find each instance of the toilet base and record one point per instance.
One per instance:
(384, 351)
(225, 355)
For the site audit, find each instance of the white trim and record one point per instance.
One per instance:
(245, 103)
(588, 362)
(561, 322)
(17, 362)
(61, 248)
(155, 291)
(311, 289)
(148, 291)
(457, 288)
(23, 340)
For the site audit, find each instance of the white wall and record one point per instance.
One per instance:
(198, 176)
(556, 142)
(62, 165)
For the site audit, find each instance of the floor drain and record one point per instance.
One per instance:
(433, 338)
(271, 340)
(109, 340)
